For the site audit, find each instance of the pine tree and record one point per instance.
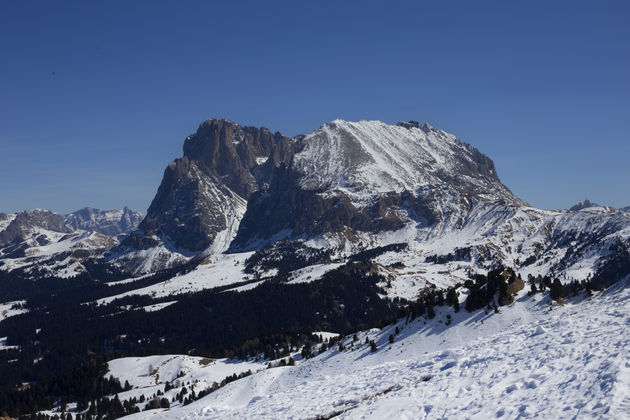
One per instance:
(556, 291)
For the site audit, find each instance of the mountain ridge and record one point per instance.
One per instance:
(224, 164)
(352, 186)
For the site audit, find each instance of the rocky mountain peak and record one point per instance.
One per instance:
(203, 194)
(229, 152)
(237, 185)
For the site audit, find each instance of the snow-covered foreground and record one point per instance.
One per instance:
(149, 374)
(530, 360)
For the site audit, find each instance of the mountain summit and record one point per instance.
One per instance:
(203, 195)
(366, 175)
(369, 176)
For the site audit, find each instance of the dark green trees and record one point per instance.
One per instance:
(557, 290)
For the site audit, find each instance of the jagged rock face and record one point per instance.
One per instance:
(24, 222)
(107, 222)
(228, 152)
(287, 210)
(370, 176)
(189, 209)
(202, 197)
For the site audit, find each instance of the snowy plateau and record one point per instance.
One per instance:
(254, 236)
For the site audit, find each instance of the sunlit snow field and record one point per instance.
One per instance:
(530, 360)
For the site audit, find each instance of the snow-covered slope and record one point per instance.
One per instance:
(569, 245)
(215, 271)
(149, 374)
(46, 243)
(9, 309)
(57, 254)
(532, 359)
(366, 158)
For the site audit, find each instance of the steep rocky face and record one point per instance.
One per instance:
(372, 177)
(202, 197)
(107, 222)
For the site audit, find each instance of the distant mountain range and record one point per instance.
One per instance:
(31, 237)
(587, 203)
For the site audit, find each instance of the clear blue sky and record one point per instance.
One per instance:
(97, 97)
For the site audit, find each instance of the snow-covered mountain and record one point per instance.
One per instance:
(361, 159)
(367, 176)
(370, 177)
(52, 243)
(107, 222)
(346, 188)
(352, 186)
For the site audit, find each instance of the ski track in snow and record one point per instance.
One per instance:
(529, 361)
